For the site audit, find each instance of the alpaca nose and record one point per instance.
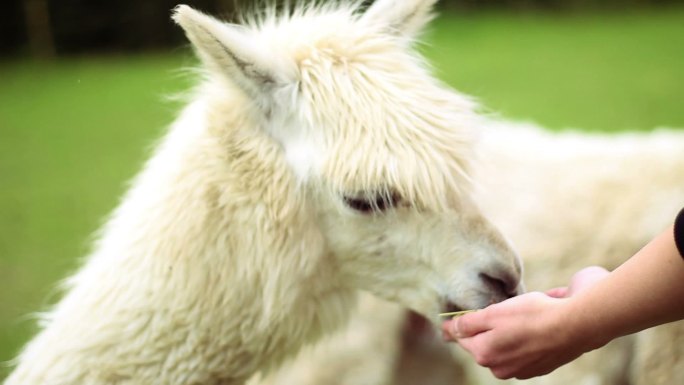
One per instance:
(502, 286)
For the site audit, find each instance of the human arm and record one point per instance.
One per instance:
(533, 334)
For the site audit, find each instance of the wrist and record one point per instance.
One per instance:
(585, 329)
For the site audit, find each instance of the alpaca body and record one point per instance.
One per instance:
(318, 157)
(608, 193)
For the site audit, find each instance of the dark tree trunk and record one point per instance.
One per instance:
(39, 29)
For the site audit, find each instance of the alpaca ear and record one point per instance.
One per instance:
(228, 49)
(405, 17)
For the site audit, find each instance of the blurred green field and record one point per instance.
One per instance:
(74, 131)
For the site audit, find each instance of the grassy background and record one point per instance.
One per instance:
(599, 71)
(72, 132)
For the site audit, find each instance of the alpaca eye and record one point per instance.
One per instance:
(371, 203)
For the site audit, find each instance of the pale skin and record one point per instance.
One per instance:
(535, 333)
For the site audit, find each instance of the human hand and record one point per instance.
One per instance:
(579, 282)
(529, 335)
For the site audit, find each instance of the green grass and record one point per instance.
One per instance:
(598, 72)
(73, 132)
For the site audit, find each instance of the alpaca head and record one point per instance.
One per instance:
(380, 148)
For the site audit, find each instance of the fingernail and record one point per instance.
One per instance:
(454, 329)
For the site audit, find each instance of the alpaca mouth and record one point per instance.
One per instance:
(450, 307)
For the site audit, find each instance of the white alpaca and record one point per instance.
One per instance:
(318, 157)
(567, 201)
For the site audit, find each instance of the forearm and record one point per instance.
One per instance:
(645, 291)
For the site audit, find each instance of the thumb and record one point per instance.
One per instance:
(586, 278)
(469, 325)
(558, 292)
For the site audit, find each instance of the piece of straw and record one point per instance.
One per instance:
(456, 314)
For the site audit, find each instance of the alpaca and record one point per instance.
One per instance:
(318, 157)
(566, 200)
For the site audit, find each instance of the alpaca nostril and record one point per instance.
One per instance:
(506, 285)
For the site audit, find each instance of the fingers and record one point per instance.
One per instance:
(558, 292)
(521, 371)
(586, 278)
(488, 350)
(466, 326)
(478, 349)
(582, 280)
(472, 324)
(506, 359)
